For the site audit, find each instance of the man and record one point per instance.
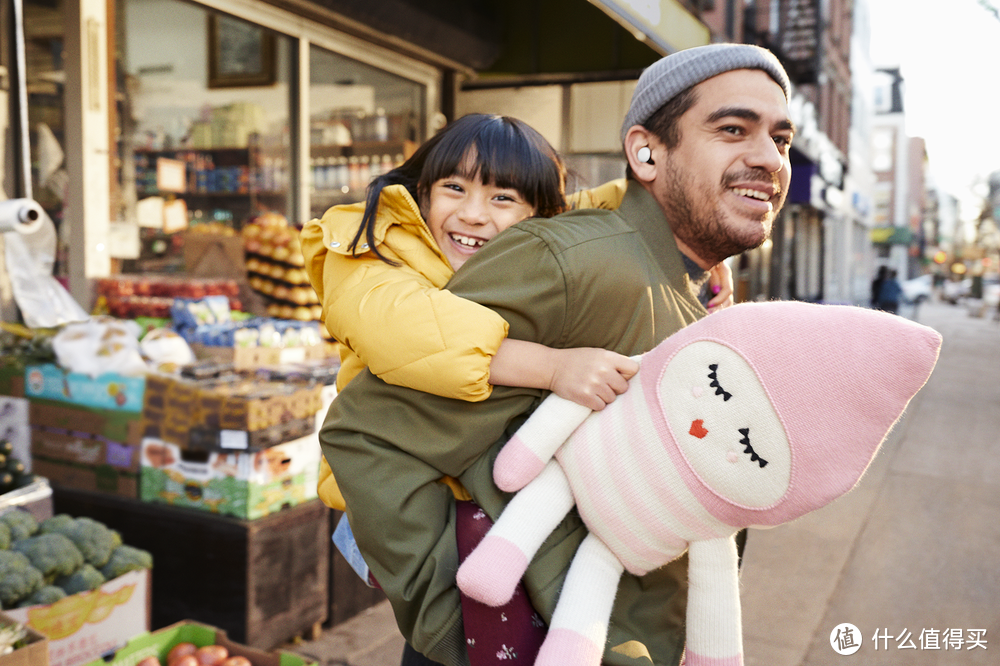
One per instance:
(707, 139)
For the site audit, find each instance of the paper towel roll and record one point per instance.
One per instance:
(23, 216)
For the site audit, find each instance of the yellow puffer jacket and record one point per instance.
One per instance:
(399, 321)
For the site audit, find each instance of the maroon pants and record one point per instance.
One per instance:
(494, 635)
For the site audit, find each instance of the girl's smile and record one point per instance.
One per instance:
(463, 213)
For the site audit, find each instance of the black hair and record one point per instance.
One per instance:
(508, 152)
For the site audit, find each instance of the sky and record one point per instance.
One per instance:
(949, 54)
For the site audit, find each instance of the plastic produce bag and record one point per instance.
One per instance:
(43, 302)
(164, 347)
(100, 345)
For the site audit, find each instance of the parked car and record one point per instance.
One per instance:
(956, 290)
(918, 289)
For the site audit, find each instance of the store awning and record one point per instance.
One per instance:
(891, 236)
(665, 24)
(522, 38)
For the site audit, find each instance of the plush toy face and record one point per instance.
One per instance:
(725, 425)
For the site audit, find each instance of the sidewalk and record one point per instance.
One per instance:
(914, 548)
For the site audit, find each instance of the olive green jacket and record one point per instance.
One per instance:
(592, 278)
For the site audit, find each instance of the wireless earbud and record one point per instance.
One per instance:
(644, 154)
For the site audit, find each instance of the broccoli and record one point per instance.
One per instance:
(84, 579)
(4, 536)
(52, 554)
(55, 524)
(44, 596)
(18, 578)
(21, 523)
(125, 559)
(93, 539)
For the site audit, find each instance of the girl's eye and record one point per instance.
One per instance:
(714, 376)
(454, 187)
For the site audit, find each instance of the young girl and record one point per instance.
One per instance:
(379, 268)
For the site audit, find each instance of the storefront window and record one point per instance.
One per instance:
(203, 117)
(45, 83)
(363, 122)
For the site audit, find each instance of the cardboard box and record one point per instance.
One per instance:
(107, 391)
(116, 425)
(35, 653)
(101, 479)
(214, 255)
(84, 449)
(82, 627)
(242, 484)
(158, 643)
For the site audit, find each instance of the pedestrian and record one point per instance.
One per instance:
(378, 267)
(707, 139)
(890, 293)
(883, 272)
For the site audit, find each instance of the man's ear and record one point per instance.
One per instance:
(642, 149)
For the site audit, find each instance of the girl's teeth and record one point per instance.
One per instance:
(465, 240)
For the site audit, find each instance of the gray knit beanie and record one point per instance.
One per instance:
(679, 71)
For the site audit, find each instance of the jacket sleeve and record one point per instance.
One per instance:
(406, 330)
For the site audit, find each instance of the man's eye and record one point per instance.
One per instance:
(733, 129)
(783, 141)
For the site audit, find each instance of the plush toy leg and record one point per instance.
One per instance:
(533, 445)
(714, 625)
(579, 626)
(491, 572)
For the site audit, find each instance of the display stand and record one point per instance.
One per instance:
(263, 581)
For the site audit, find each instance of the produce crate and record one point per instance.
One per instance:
(83, 626)
(35, 653)
(262, 581)
(238, 483)
(158, 643)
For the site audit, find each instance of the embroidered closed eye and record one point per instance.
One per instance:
(749, 449)
(713, 375)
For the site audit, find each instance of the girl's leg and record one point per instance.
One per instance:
(495, 634)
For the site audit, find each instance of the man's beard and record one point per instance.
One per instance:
(704, 228)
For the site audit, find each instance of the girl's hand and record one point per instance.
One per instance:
(591, 377)
(720, 281)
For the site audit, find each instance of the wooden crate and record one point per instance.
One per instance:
(262, 581)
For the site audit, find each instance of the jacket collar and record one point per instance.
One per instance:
(642, 212)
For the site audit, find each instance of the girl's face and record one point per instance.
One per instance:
(463, 213)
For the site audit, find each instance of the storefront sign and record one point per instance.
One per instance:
(799, 39)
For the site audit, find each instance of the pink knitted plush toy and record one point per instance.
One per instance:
(753, 416)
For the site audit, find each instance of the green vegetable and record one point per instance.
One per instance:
(4, 536)
(93, 539)
(125, 559)
(44, 596)
(18, 578)
(21, 523)
(55, 523)
(52, 554)
(84, 579)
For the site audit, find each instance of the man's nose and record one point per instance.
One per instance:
(765, 155)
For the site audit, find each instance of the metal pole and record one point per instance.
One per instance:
(20, 65)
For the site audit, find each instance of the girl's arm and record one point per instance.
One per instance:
(720, 280)
(585, 375)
